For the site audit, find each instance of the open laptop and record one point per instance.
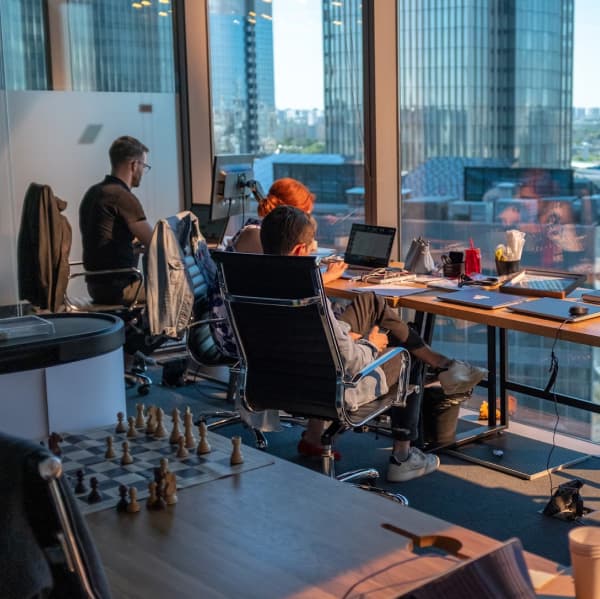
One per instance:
(555, 309)
(369, 247)
(479, 298)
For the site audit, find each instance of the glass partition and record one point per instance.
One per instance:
(78, 74)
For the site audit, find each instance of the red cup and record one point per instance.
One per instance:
(472, 261)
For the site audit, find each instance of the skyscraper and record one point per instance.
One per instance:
(242, 75)
(486, 79)
(343, 78)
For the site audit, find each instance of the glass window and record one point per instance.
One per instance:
(515, 146)
(299, 110)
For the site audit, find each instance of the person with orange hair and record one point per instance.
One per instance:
(283, 192)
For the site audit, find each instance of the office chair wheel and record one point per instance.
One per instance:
(143, 389)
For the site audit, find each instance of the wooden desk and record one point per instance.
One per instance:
(498, 323)
(279, 531)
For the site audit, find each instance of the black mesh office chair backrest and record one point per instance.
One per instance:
(290, 358)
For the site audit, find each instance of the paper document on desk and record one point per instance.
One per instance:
(392, 290)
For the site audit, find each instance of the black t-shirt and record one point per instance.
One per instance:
(104, 216)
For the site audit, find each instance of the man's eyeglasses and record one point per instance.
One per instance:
(145, 166)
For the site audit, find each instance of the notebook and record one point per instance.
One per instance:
(591, 295)
(479, 298)
(555, 309)
(369, 247)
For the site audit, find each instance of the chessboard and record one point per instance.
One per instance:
(85, 451)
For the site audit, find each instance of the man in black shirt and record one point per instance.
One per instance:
(113, 223)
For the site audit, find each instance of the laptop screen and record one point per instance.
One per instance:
(369, 245)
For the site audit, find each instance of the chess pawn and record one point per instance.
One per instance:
(160, 430)
(182, 452)
(131, 432)
(203, 445)
(120, 428)
(164, 466)
(175, 433)
(160, 503)
(139, 418)
(133, 506)
(151, 422)
(126, 457)
(110, 452)
(236, 454)
(94, 496)
(190, 440)
(123, 503)
(151, 501)
(80, 486)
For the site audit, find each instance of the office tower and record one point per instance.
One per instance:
(243, 99)
(343, 78)
(489, 79)
(109, 46)
(22, 45)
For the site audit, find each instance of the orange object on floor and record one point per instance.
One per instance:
(484, 408)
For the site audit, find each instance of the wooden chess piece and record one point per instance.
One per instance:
(133, 506)
(131, 432)
(151, 422)
(120, 428)
(164, 467)
(203, 445)
(126, 458)
(175, 433)
(139, 417)
(160, 430)
(236, 454)
(188, 420)
(110, 452)
(152, 486)
(182, 452)
(123, 503)
(80, 486)
(53, 444)
(170, 488)
(94, 496)
(160, 503)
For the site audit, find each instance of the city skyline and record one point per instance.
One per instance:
(299, 67)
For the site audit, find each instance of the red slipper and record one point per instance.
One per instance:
(311, 450)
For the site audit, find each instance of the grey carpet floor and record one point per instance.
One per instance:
(484, 500)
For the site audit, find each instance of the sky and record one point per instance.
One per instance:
(298, 55)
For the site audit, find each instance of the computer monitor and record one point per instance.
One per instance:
(233, 179)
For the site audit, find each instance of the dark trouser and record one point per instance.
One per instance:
(366, 311)
(116, 292)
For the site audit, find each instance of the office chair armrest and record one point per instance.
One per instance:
(197, 323)
(394, 351)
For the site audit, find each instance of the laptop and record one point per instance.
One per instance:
(479, 298)
(369, 247)
(555, 309)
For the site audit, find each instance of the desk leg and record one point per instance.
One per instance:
(503, 378)
(491, 379)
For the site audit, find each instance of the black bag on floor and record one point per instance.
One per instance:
(439, 417)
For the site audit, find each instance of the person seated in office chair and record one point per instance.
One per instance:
(113, 225)
(290, 231)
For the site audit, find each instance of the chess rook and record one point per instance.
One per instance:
(139, 418)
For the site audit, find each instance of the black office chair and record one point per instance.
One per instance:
(45, 272)
(46, 549)
(290, 360)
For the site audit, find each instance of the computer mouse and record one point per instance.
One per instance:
(578, 310)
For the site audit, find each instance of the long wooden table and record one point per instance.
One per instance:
(498, 322)
(283, 531)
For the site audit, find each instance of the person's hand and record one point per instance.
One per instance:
(354, 336)
(378, 339)
(335, 270)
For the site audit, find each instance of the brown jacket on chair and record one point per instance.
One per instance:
(43, 249)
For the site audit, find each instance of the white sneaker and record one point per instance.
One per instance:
(417, 464)
(460, 377)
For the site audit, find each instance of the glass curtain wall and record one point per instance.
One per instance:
(76, 75)
(491, 140)
(286, 89)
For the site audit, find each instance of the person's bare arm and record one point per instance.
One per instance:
(142, 231)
